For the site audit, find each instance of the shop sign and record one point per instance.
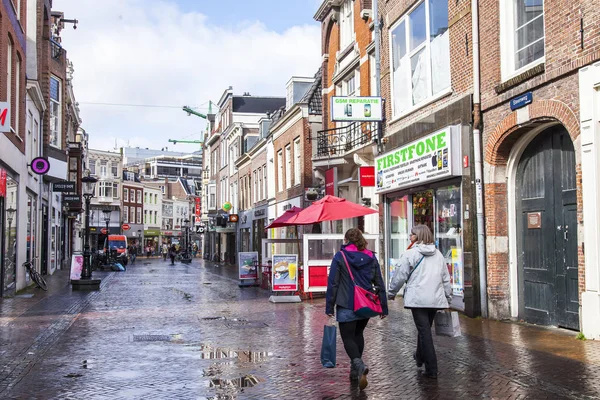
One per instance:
(521, 101)
(366, 176)
(2, 182)
(76, 267)
(151, 232)
(534, 220)
(64, 186)
(197, 207)
(248, 265)
(356, 108)
(71, 198)
(40, 165)
(331, 181)
(285, 272)
(260, 212)
(424, 160)
(4, 116)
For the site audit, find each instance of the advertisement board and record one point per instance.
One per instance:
(356, 109)
(366, 176)
(426, 159)
(76, 267)
(248, 265)
(285, 272)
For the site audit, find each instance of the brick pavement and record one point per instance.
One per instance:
(189, 332)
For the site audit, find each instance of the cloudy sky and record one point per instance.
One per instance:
(170, 53)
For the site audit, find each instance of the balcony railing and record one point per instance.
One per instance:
(341, 140)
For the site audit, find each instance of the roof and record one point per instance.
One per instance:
(258, 105)
(314, 95)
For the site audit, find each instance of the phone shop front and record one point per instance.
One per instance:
(421, 183)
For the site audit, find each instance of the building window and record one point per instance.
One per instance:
(125, 194)
(139, 196)
(115, 190)
(255, 185)
(346, 24)
(115, 170)
(155, 216)
(139, 215)
(103, 168)
(212, 197)
(260, 185)
(280, 170)
(265, 181)
(145, 216)
(17, 94)
(155, 199)
(105, 189)
(297, 161)
(288, 166)
(30, 132)
(420, 56)
(372, 76)
(522, 35)
(132, 196)
(132, 215)
(9, 81)
(55, 112)
(145, 198)
(125, 213)
(92, 167)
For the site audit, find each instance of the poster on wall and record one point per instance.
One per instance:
(76, 267)
(423, 160)
(285, 272)
(248, 265)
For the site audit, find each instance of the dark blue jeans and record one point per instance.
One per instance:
(423, 318)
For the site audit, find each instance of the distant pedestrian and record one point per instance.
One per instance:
(148, 251)
(195, 250)
(340, 293)
(165, 251)
(173, 253)
(133, 253)
(423, 269)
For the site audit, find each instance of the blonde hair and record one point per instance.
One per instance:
(423, 234)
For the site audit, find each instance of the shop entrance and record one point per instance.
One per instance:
(547, 231)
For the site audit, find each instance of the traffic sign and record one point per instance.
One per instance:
(104, 231)
(126, 227)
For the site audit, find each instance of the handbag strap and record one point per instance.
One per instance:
(348, 266)
(411, 272)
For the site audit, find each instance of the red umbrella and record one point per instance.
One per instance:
(329, 208)
(284, 218)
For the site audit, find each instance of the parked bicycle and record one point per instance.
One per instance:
(37, 278)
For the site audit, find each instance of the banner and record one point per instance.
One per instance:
(356, 108)
(331, 181)
(197, 208)
(2, 182)
(248, 265)
(285, 272)
(76, 267)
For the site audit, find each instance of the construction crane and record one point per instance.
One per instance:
(189, 112)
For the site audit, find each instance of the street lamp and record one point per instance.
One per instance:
(86, 281)
(139, 232)
(107, 213)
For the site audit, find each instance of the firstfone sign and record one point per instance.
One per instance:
(4, 116)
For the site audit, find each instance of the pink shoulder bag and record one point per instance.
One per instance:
(366, 304)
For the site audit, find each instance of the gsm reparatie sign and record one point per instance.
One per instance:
(429, 158)
(356, 109)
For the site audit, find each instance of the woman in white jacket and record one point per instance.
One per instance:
(427, 290)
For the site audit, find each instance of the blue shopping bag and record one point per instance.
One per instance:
(328, 346)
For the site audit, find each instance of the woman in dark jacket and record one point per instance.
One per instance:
(340, 292)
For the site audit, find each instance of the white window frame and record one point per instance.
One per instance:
(264, 181)
(132, 196)
(426, 46)
(288, 166)
(17, 95)
(126, 213)
(145, 217)
(212, 196)
(132, 215)
(115, 191)
(346, 24)
(280, 171)
(56, 116)
(297, 162)
(507, 16)
(30, 143)
(125, 194)
(139, 214)
(9, 76)
(139, 196)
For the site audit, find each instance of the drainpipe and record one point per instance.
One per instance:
(477, 159)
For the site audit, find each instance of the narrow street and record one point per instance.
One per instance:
(189, 332)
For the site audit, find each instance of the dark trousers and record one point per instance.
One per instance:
(352, 336)
(425, 351)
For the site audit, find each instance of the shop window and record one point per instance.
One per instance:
(420, 56)
(9, 224)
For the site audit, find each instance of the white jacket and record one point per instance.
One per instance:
(429, 285)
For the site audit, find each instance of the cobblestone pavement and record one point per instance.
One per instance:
(189, 332)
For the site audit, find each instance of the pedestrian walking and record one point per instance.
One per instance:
(133, 253)
(340, 293)
(423, 269)
(148, 251)
(165, 251)
(173, 253)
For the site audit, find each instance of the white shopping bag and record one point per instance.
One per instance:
(447, 324)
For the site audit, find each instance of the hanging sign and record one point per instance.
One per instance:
(366, 176)
(71, 198)
(285, 272)
(40, 165)
(2, 182)
(226, 206)
(248, 265)
(197, 200)
(63, 186)
(4, 116)
(424, 160)
(356, 109)
(331, 181)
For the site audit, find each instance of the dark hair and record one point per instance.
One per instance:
(355, 236)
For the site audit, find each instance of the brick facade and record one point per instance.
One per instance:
(555, 88)
(296, 131)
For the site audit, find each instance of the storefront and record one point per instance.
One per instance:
(422, 184)
(151, 237)
(244, 227)
(258, 229)
(168, 237)
(9, 204)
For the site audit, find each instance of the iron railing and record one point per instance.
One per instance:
(341, 140)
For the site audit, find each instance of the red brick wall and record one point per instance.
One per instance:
(297, 130)
(7, 29)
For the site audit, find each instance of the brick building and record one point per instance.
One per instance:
(134, 213)
(537, 96)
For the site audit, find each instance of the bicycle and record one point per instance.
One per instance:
(35, 276)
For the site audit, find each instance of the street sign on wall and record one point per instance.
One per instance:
(4, 116)
(356, 109)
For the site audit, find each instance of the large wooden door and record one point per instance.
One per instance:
(547, 227)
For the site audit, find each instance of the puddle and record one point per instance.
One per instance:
(246, 381)
(236, 323)
(208, 352)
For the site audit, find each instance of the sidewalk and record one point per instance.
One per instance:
(188, 331)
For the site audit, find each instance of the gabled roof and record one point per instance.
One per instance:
(257, 105)
(314, 96)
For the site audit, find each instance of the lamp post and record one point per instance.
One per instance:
(139, 243)
(107, 213)
(187, 258)
(86, 281)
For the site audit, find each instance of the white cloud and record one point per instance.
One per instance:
(150, 52)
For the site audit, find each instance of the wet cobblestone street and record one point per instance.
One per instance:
(189, 332)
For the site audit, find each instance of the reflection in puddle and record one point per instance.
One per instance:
(208, 352)
(246, 381)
